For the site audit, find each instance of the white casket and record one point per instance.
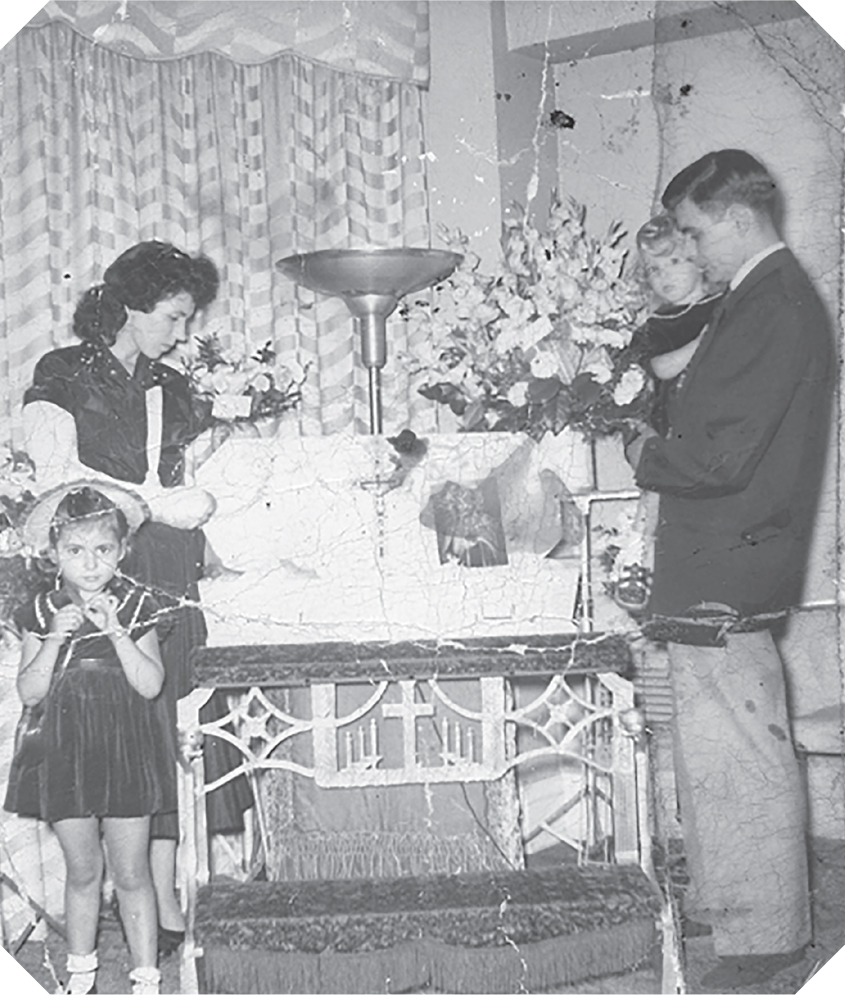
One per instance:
(339, 539)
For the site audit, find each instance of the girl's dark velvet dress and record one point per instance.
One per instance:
(109, 751)
(109, 408)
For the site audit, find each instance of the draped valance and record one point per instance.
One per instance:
(387, 38)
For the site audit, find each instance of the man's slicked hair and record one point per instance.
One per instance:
(719, 179)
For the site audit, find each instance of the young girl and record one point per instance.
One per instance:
(90, 653)
(664, 345)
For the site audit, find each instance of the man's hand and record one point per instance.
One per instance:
(634, 449)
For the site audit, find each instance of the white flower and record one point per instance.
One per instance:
(567, 287)
(205, 382)
(457, 374)
(524, 334)
(261, 383)
(613, 337)
(485, 313)
(467, 300)
(581, 333)
(288, 371)
(518, 394)
(227, 380)
(544, 365)
(600, 368)
(632, 382)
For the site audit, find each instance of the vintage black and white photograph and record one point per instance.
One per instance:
(421, 518)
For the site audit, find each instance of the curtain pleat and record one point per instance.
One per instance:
(247, 163)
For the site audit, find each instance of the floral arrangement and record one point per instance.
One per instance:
(541, 344)
(17, 476)
(20, 575)
(244, 388)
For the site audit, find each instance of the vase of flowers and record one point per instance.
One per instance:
(20, 577)
(17, 484)
(246, 393)
(541, 344)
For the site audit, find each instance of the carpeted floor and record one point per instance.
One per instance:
(45, 961)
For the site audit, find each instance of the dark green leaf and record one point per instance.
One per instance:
(542, 389)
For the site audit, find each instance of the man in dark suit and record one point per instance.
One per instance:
(739, 475)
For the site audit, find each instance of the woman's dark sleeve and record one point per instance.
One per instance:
(53, 381)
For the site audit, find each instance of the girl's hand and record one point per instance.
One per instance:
(102, 610)
(66, 621)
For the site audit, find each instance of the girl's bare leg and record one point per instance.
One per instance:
(80, 842)
(128, 841)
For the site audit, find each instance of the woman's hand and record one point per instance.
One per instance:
(182, 507)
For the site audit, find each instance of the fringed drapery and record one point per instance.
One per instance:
(247, 163)
(423, 964)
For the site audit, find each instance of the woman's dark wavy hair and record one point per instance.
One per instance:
(138, 279)
(719, 179)
(84, 505)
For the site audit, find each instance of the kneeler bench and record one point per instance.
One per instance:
(484, 931)
(480, 932)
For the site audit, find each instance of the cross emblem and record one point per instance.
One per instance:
(408, 710)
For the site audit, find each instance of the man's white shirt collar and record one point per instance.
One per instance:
(749, 264)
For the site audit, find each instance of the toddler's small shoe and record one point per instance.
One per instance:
(633, 588)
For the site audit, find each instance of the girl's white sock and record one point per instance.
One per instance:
(83, 972)
(145, 980)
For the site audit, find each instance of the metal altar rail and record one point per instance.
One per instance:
(579, 715)
(302, 664)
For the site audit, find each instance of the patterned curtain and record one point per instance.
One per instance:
(247, 163)
(381, 37)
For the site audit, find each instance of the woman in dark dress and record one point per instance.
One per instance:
(108, 408)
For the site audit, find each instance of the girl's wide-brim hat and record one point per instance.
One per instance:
(35, 530)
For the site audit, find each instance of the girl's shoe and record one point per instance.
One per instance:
(145, 981)
(82, 974)
(169, 940)
(633, 588)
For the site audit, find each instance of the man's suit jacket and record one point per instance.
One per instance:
(740, 471)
